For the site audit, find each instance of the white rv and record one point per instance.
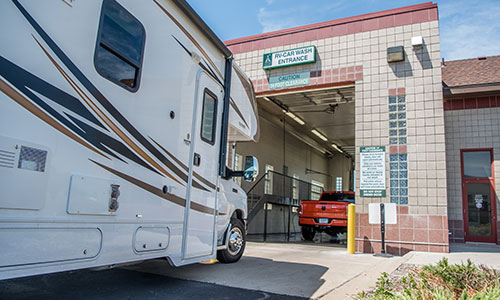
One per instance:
(115, 116)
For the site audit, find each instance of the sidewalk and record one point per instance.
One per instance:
(478, 254)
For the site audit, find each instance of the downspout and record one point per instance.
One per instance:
(223, 172)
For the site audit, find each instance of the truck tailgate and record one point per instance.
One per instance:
(324, 209)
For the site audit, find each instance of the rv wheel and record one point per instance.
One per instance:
(235, 245)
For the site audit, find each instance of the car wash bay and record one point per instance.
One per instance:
(306, 146)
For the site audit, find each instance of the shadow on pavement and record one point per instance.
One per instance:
(255, 273)
(120, 284)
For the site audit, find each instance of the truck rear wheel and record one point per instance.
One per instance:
(307, 233)
(235, 244)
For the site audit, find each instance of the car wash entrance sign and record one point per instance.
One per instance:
(303, 55)
(372, 175)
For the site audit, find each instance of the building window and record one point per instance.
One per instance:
(120, 46)
(295, 187)
(316, 189)
(398, 161)
(209, 117)
(268, 184)
(397, 120)
(238, 165)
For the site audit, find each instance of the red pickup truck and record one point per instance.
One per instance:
(328, 214)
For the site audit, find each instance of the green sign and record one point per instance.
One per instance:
(289, 80)
(372, 171)
(303, 55)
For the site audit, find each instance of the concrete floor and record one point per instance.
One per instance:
(304, 270)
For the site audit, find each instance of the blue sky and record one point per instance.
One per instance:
(468, 28)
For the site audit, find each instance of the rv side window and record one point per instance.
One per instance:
(209, 117)
(120, 46)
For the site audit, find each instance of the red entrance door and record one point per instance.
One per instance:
(479, 199)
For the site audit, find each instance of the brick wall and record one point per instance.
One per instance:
(469, 129)
(354, 51)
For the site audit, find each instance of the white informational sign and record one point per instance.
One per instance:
(289, 57)
(389, 211)
(372, 168)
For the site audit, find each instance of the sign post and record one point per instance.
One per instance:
(382, 213)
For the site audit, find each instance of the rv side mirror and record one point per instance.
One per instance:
(251, 170)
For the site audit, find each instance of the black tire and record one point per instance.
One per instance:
(308, 233)
(236, 243)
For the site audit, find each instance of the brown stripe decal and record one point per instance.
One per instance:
(156, 191)
(105, 118)
(27, 104)
(190, 37)
(196, 175)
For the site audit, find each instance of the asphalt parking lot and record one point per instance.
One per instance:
(122, 284)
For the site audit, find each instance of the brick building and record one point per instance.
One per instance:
(373, 82)
(471, 89)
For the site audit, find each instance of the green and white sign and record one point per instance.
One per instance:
(372, 171)
(289, 80)
(303, 55)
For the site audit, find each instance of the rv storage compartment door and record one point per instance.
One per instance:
(24, 246)
(90, 196)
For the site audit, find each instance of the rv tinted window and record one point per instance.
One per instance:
(120, 46)
(209, 117)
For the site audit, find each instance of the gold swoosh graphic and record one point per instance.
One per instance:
(196, 175)
(28, 105)
(105, 118)
(158, 192)
(190, 37)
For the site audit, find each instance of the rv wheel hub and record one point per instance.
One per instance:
(235, 241)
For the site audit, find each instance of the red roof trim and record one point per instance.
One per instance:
(360, 18)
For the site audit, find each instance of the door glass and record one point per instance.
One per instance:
(479, 206)
(477, 164)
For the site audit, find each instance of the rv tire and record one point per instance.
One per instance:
(236, 243)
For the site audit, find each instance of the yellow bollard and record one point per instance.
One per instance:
(351, 228)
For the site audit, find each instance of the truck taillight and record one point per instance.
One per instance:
(300, 209)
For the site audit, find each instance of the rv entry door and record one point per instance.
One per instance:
(199, 222)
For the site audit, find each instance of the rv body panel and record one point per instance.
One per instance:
(92, 173)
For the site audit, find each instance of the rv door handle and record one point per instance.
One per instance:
(197, 159)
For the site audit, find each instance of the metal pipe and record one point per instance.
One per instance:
(225, 118)
(265, 221)
(351, 228)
